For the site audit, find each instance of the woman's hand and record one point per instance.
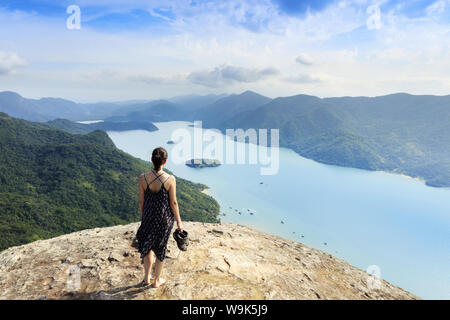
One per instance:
(180, 226)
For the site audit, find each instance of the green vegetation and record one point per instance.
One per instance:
(53, 183)
(398, 133)
(402, 133)
(80, 128)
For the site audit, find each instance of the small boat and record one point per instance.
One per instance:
(251, 213)
(324, 243)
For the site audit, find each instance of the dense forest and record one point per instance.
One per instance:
(402, 133)
(81, 128)
(54, 182)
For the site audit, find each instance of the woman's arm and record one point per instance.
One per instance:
(141, 194)
(174, 203)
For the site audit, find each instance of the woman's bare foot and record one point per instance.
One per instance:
(147, 281)
(159, 282)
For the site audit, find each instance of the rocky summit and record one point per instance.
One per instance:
(223, 261)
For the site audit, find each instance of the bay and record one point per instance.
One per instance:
(374, 220)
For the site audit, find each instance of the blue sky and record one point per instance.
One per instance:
(129, 49)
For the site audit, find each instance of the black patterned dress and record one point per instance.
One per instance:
(156, 222)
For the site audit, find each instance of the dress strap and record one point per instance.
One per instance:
(145, 179)
(166, 179)
(157, 177)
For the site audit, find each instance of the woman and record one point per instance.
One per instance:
(158, 206)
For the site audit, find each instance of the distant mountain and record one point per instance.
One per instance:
(194, 102)
(155, 111)
(53, 108)
(13, 104)
(401, 133)
(53, 182)
(226, 108)
(80, 128)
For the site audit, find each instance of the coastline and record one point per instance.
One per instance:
(312, 238)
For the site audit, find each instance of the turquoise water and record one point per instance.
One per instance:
(365, 218)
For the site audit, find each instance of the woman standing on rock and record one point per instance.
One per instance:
(159, 207)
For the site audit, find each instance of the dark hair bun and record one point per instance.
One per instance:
(159, 157)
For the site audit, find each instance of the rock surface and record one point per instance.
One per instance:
(223, 261)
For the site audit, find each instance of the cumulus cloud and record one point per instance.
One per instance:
(9, 62)
(226, 75)
(304, 59)
(159, 80)
(302, 78)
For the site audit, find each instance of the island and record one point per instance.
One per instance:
(170, 142)
(203, 163)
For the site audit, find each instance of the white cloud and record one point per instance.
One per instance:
(10, 62)
(178, 79)
(258, 46)
(225, 75)
(436, 8)
(302, 78)
(304, 59)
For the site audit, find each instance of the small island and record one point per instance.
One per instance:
(203, 163)
(170, 142)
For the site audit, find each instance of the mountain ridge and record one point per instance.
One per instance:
(400, 132)
(407, 134)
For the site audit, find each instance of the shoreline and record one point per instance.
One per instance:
(286, 233)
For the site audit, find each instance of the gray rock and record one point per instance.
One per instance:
(244, 264)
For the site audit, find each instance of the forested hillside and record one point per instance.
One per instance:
(401, 133)
(81, 128)
(53, 183)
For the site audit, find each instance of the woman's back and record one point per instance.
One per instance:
(159, 208)
(155, 181)
(157, 216)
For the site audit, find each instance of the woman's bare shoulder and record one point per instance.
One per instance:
(144, 175)
(169, 179)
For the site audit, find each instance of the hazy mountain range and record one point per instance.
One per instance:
(82, 128)
(403, 133)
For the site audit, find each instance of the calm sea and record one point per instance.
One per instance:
(375, 220)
